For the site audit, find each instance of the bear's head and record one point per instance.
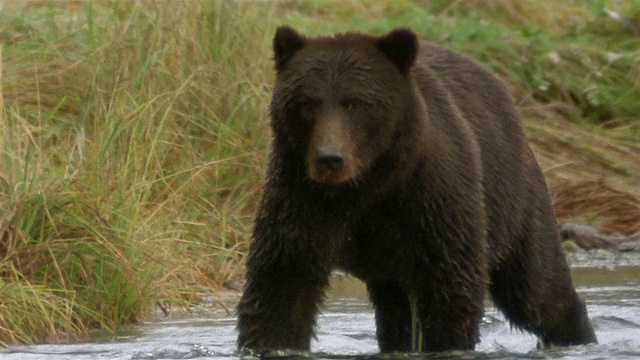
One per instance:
(337, 101)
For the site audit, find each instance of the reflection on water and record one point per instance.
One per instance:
(346, 327)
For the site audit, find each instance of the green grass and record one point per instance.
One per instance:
(133, 135)
(569, 51)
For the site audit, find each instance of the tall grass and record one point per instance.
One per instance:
(131, 143)
(133, 133)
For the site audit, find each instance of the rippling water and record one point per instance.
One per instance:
(610, 283)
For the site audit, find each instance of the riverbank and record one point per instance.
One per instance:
(133, 136)
(346, 329)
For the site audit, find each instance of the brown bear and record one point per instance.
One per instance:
(404, 164)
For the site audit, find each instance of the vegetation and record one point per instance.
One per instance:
(133, 134)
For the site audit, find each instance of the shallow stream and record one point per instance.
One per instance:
(610, 282)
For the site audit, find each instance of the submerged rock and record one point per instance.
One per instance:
(633, 243)
(570, 246)
(587, 238)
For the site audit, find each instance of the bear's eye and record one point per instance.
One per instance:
(307, 103)
(351, 103)
(305, 107)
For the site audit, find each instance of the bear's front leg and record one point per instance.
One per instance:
(449, 316)
(285, 283)
(278, 307)
(393, 316)
(448, 294)
(429, 316)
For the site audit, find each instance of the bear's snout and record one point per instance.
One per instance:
(330, 164)
(330, 154)
(329, 158)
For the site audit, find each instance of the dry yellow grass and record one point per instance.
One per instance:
(608, 209)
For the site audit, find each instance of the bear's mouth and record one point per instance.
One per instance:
(332, 177)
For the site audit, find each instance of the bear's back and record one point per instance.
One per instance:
(511, 176)
(480, 96)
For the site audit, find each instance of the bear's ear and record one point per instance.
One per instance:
(401, 47)
(286, 43)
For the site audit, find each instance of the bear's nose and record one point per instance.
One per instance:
(329, 159)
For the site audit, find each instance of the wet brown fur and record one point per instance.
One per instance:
(405, 164)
